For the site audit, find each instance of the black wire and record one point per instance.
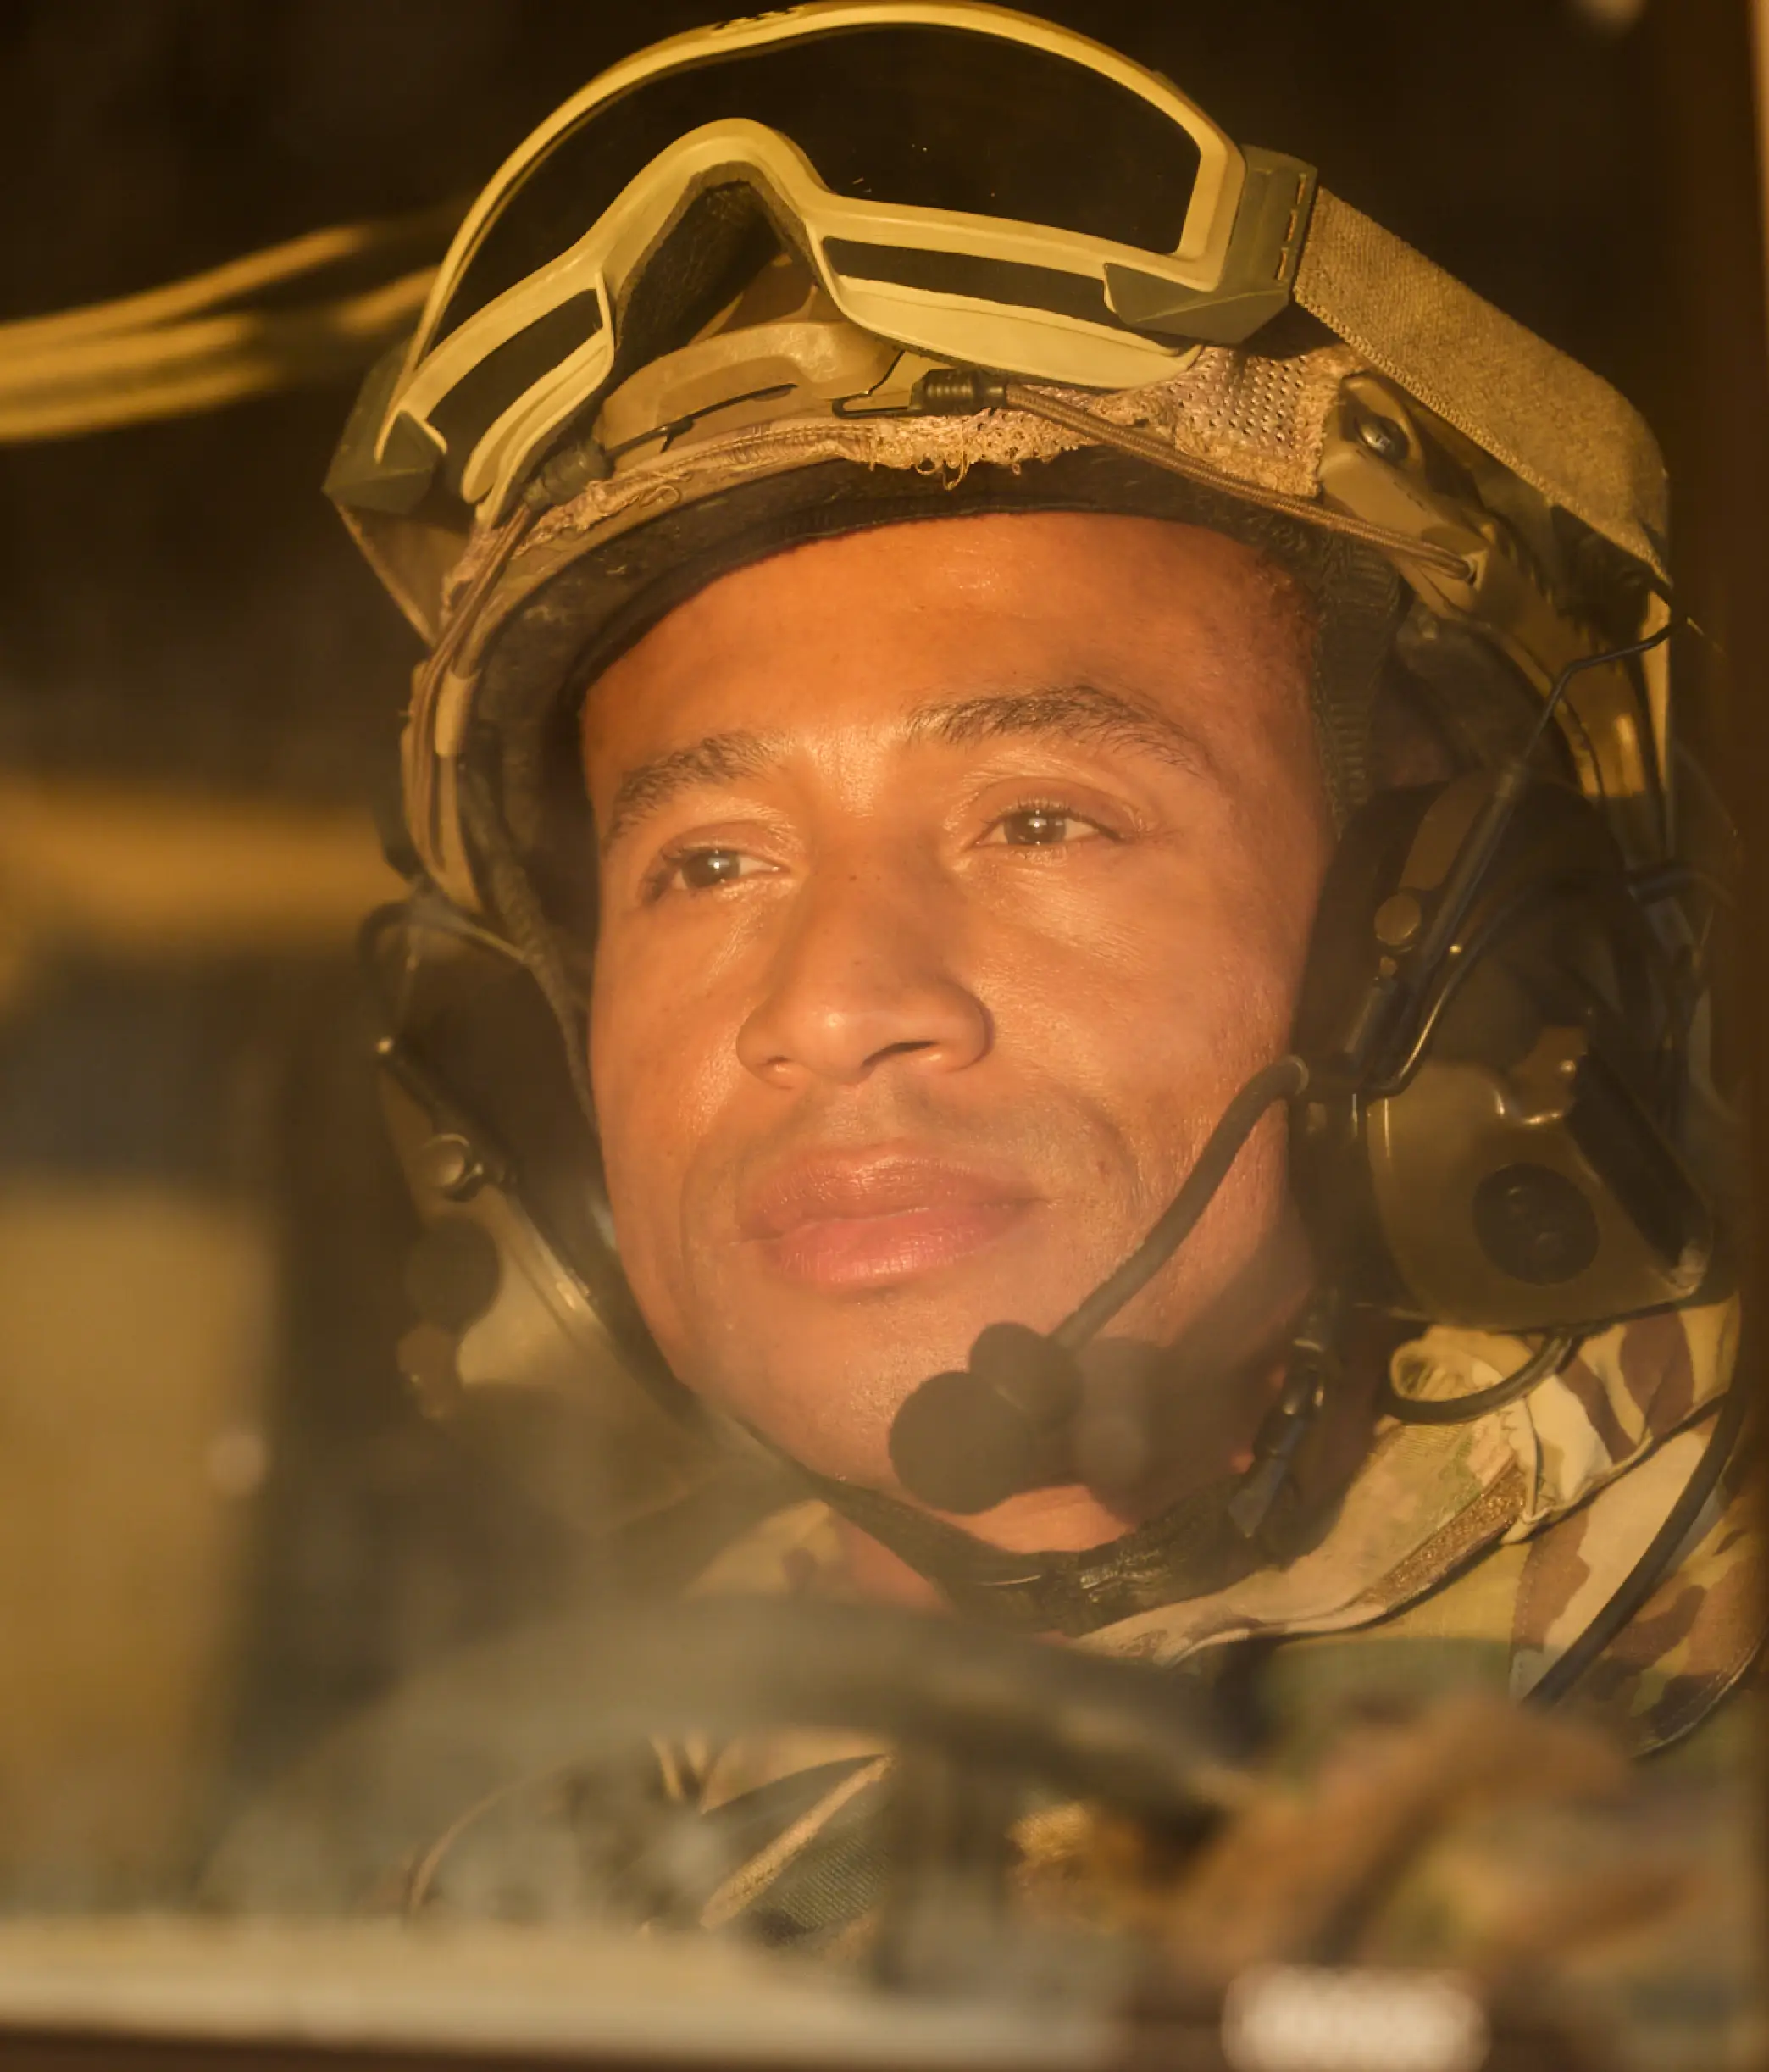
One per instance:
(1282, 1081)
(1547, 1358)
(1652, 1567)
(1591, 662)
(1473, 859)
(1397, 1081)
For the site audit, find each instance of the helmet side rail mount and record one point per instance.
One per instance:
(1565, 1218)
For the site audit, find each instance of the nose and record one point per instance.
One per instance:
(862, 977)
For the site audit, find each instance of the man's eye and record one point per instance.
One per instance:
(704, 870)
(1040, 827)
(707, 867)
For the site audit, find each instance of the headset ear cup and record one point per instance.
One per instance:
(489, 1129)
(1504, 1157)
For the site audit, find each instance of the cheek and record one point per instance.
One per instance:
(1268, 872)
(1179, 968)
(1191, 992)
(656, 1043)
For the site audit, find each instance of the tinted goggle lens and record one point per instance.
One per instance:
(914, 115)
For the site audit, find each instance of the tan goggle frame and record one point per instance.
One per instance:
(1233, 270)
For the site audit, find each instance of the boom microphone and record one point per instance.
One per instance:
(969, 1439)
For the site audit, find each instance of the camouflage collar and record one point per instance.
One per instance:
(1426, 1501)
(1429, 1497)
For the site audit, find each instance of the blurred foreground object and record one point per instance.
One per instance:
(222, 335)
(1031, 1826)
(141, 1311)
(83, 1997)
(135, 1330)
(115, 871)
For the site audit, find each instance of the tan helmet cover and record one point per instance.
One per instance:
(765, 391)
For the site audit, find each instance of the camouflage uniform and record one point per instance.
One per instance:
(1487, 1548)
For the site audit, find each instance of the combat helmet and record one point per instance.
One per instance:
(830, 268)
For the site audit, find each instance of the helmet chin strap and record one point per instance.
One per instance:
(1189, 1551)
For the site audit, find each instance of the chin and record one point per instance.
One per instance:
(822, 1376)
(822, 1370)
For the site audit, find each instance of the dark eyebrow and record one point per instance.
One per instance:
(1080, 712)
(719, 759)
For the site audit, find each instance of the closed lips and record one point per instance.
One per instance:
(853, 1220)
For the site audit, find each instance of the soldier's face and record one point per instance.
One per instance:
(953, 877)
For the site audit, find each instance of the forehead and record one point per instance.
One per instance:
(868, 627)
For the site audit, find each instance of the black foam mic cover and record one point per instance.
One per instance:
(968, 1440)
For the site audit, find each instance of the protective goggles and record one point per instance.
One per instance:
(978, 186)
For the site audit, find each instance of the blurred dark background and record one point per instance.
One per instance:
(182, 615)
(149, 576)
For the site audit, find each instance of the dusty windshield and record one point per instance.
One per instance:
(882, 1195)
